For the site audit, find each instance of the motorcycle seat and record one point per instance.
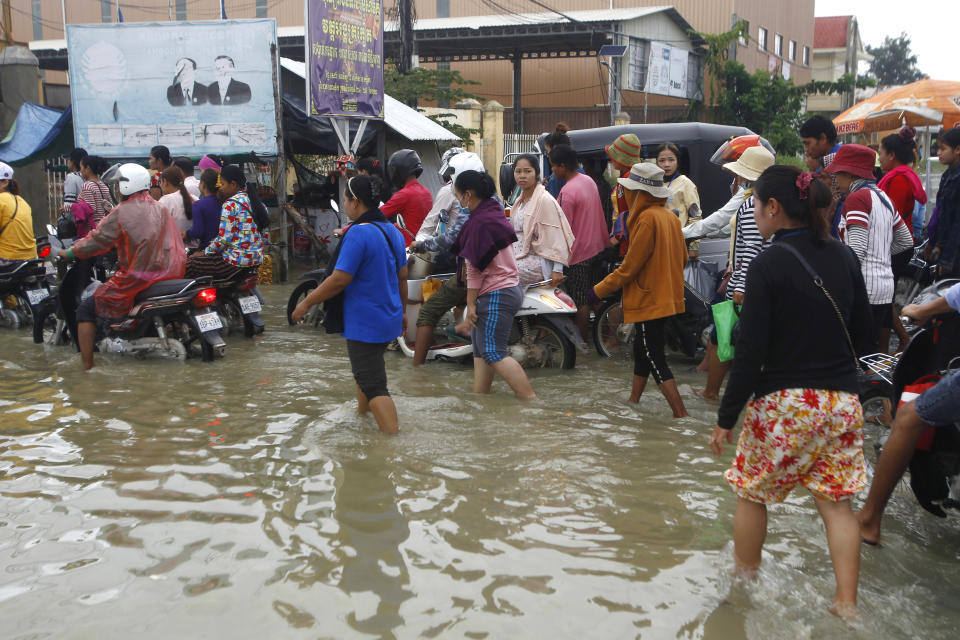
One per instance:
(237, 277)
(25, 269)
(164, 288)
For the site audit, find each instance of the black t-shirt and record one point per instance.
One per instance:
(790, 336)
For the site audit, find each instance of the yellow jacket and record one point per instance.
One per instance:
(17, 241)
(651, 275)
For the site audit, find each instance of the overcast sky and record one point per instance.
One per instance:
(933, 27)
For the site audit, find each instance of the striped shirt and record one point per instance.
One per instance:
(748, 244)
(875, 231)
(97, 195)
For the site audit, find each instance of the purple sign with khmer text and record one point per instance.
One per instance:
(344, 55)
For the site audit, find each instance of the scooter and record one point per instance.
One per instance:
(170, 318)
(543, 334)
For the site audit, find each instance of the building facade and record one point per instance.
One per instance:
(837, 50)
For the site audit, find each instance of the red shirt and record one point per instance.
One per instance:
(414, 202)
(901, 194)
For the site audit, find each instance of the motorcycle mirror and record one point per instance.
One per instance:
(334, 206)
(111, 175)
(51, 230)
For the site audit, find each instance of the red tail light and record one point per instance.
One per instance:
(205, 297)
(44, 252)
(567, 300)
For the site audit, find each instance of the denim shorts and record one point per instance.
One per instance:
(941, 404)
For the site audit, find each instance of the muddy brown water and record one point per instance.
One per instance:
(245, 499)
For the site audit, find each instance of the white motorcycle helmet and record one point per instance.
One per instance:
(445, 161)
(132, 178)
(466, 161)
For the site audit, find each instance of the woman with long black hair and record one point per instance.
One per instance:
(806, 320)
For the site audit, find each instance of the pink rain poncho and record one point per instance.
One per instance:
(149, 249)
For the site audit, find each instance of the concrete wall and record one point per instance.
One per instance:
(19, 83)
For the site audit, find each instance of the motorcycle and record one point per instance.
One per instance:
(169, 319)
(685, 333)
(22, 288)
(237, 302)
(933, 351)
(543, 334)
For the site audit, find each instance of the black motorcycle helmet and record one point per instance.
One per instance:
(402, 164)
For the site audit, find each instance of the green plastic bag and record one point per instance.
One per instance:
(724, 318)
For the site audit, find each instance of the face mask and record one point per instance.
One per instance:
(464, 210)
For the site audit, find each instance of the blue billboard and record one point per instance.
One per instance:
(195, 87)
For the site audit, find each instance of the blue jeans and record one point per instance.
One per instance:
(941, 404)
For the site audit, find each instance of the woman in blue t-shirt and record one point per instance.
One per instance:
(370, 268)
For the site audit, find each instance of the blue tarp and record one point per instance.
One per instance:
(35, 129)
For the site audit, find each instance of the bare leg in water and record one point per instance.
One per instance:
(508, 369)
(383, 409)
(86, 334)
(669, 391)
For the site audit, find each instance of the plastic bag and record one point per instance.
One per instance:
(724, 318)
(702, 277)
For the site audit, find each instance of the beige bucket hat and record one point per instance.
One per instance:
(646, 176)
(751, 163)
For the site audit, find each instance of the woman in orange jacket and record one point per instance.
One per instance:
(651, 277)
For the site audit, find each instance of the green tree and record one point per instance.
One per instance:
(893, 62)
(440, 85)
(764, 103)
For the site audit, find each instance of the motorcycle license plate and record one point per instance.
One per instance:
(36, 296)
(249, 304)
(208, 321)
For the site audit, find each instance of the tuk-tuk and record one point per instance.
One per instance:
(697, 142)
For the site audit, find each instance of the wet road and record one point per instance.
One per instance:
(245, 499)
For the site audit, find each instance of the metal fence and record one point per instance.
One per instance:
(513, 143)
(55, 188)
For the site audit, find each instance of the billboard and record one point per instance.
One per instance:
(344, 55)
(667, 73)
(195, 87)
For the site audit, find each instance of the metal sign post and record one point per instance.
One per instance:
(281, 177)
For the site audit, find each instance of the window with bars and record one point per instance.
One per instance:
(793, 51)
(261, 8)
(105, 13)
(638, 53)
(443, 8)
(180, 10)
(778, 45)
(806, 56)
(761, 39)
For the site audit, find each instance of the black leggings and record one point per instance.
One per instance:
(648, 351)
(369, 369)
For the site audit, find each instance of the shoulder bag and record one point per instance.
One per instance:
(817, 280)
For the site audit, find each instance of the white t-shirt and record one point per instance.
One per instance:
(173, 202)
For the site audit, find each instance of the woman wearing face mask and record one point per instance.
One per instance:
(493, 285)
(544, 237)
(684, 200)
(370, 268)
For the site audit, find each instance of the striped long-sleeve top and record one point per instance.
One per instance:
(875, 231)
(748, 243)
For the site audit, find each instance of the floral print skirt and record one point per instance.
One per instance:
(809, 437)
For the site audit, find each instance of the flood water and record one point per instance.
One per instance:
(246, 499)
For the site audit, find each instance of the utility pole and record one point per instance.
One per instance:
(407, 50)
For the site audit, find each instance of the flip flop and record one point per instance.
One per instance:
(869, 542)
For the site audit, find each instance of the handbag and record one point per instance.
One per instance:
(333, 307)
(817, 280)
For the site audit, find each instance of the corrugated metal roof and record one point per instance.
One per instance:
(503, 20)
(409, 123)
